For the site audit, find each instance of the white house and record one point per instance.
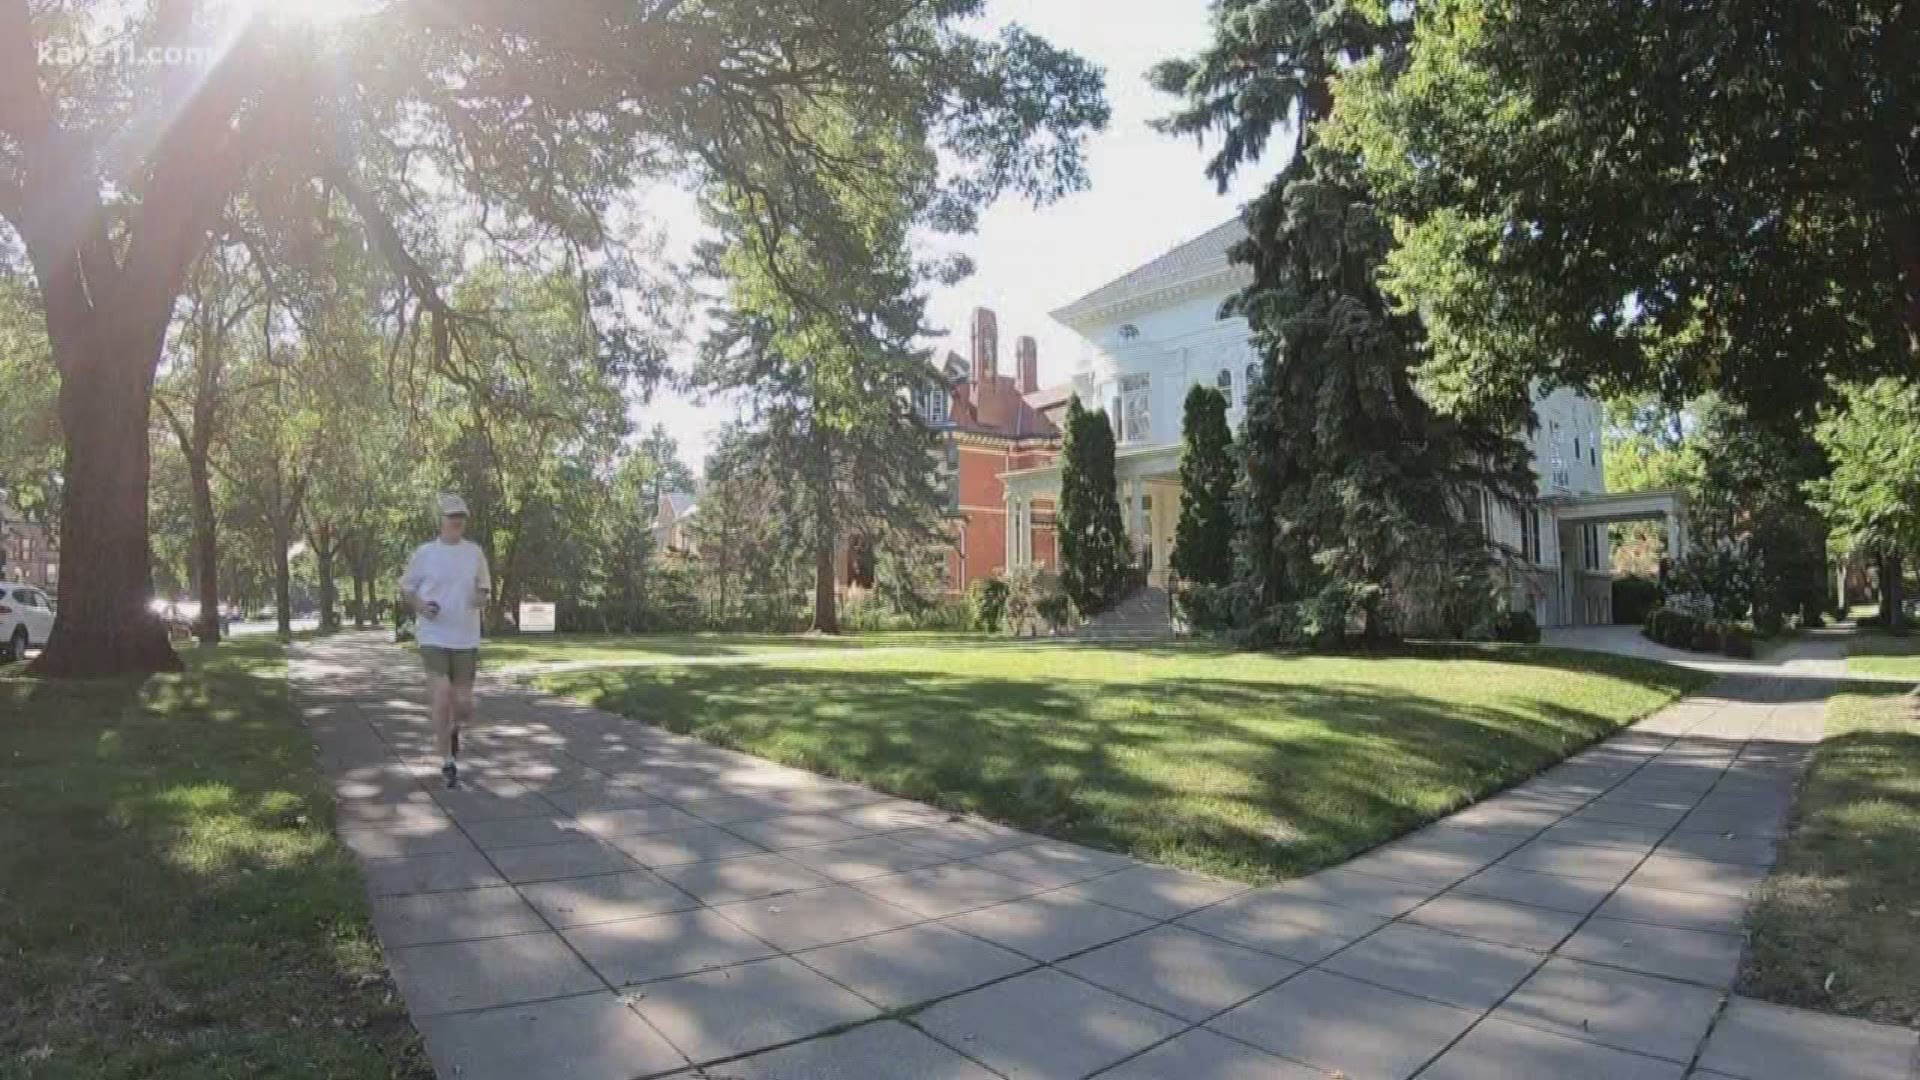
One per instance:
(1154, 332)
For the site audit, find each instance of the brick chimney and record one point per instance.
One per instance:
(986, 349)
(1026, 352)
(963, 411)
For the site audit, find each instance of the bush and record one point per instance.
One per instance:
(868, 612)
(1213, 609)
(1680, 629)
(1735, 640)
(987, 604)
(1056, 610)
(1634, 598)
(952, 614)
(1519, 627)
(1027, 589)
(1676, 628)
(1726, 577)
(1292, 625)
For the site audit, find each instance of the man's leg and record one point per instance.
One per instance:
(443, 707)
(464, 670)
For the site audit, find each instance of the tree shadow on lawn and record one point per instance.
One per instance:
(1833, 927)
(1252, 779)
(172, 900)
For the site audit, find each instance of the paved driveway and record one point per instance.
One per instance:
(609, 901)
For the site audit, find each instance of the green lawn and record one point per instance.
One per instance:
(1254, 766)
(1885, 654)
(172, 901)
(536, 649)
(1837, 925)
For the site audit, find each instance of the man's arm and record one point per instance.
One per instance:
(410, 581)
(482, 581)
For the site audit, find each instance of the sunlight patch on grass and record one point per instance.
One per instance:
(1251, 765)
(1837, 925)
(172, 905)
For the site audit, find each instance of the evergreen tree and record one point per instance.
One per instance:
(1203, 541)
(1094, 555)
(1351, 476)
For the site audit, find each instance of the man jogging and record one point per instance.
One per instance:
(446, 583)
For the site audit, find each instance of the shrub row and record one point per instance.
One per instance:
(1679, 628)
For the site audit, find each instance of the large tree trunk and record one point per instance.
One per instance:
(826, 607)
(324, 548)
(206, 553)
(826, 537)
(1893, 608)
(104, 626)
(283, 580)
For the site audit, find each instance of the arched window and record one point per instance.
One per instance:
(1224, 381)
(1253, 374)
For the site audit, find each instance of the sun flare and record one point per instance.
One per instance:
(305, 12)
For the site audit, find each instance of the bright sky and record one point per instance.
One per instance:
(1148, 194)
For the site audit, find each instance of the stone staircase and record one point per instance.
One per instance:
(1142, 616)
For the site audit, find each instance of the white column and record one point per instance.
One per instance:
(1011, 557)
(1023, 530)
(1133, 514)
(1026, 530)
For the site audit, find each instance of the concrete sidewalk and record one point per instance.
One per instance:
(608, 901)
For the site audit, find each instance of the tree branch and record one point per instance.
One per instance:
(24, 113)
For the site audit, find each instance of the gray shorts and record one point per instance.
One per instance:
(458, 666)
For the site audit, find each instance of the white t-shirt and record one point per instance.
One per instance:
(454, 576)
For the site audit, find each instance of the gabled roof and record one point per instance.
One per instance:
(1201, 257)
(680, 502)
(1049, 396)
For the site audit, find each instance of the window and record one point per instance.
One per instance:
(1136, 418)
(1476, 510)
(1253, 375)
(1530, 534)
(1224, 381)
(937, 407)
(23, 597)
(953, 474)
(53, 573)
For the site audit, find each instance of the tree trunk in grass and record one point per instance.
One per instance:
(1892, 599)
(325, 546)
(826, 536)
(106, 387)
(206, 551)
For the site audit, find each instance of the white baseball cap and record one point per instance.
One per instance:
(451, 504)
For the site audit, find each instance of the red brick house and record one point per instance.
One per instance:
(995, 424)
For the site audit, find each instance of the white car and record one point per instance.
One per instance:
(26, 620)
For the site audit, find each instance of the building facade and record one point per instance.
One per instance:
(32, 551)
(992, 424)
(1153, 333)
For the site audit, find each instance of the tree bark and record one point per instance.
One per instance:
(206, 553)
(283, 579)
(105, 627)
(826, 537)
(1893, 608)
(324, 548)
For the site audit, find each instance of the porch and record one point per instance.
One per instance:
(1147, 479)
(1583, 580)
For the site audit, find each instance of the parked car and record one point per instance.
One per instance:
(26, 620)
(180, 615)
